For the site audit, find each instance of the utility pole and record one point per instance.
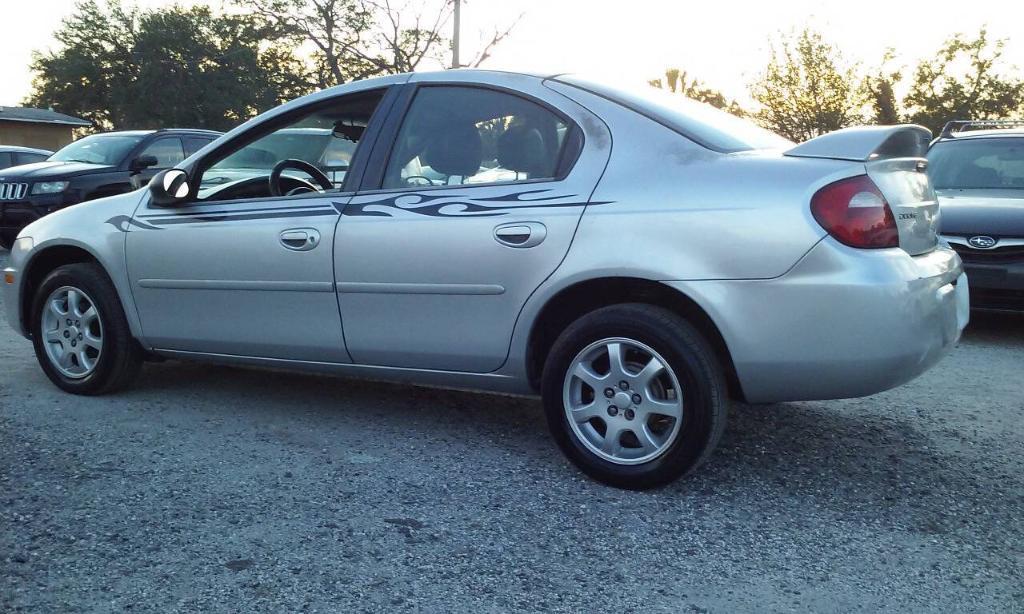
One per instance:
(455, 37)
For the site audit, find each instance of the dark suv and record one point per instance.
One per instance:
(977, 168)
(93, 167)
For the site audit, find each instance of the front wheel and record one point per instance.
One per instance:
(634, 396)
(80, 332)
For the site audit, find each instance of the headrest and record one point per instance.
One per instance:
(521, 149)
(458, 151)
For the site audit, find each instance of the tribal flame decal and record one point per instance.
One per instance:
(457, 205)
(124, 223)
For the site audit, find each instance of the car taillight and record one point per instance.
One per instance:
(855, 213)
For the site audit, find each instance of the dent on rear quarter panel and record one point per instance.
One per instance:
(682, 211)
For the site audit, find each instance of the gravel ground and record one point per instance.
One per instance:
(221, 489)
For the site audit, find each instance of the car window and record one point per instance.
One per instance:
(167, 151)
(464, 135)
(108, 149)
(700, 122)
(979, 164)
(325, 137)
(29, 158)
(6, 159)
(195, 143)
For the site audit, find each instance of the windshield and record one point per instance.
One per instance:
(700, 122)
(977, 164)
(109, 149)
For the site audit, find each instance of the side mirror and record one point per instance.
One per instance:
(169, 188)
(142, 163)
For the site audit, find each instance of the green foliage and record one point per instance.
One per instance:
(125, 68)
(965, 80)
(879, 94)
(678, 81)
(806, 90)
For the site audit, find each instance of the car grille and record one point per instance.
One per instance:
(13, 191)
(997, 255)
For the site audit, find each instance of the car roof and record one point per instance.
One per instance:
(18, 149)
(197, 131)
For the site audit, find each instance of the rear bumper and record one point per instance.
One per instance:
(842, 323)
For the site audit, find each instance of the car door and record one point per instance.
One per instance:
(236, 271)
(471, 207)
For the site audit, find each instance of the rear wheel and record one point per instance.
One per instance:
(634, 396)
(80, 333)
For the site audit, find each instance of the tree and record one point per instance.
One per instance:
(806, 90)
(125, 68)
(355, 39)
(965, 80)
(677, 81)
(879, 94)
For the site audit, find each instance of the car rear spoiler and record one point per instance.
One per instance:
(867, 143)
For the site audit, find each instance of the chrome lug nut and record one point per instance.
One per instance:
(630, 414)
(623, 385)
(612, 410)
(67, 334)
(637, 399)
(608, 392)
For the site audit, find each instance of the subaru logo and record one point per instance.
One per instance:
(982, 242)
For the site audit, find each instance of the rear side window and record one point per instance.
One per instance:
(979, 164)
(167, 151)
(465, 135)
(193, 144)
(6, 159)
(28, 158)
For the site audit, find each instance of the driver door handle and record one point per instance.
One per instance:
(300, 239)
(520, 234)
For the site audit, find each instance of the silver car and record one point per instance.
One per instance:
(637, 261)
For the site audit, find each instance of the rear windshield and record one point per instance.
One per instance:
(703, 123)
(977, 164)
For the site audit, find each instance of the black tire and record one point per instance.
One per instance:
(695, 365)
(119, 361)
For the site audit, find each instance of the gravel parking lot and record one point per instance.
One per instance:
(212, 488)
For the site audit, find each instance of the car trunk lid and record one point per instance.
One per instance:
(893, 157)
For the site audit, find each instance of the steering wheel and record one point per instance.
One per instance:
(301, 165)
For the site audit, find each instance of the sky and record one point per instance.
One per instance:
(724, 44)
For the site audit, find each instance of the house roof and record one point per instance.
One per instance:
(39, 116)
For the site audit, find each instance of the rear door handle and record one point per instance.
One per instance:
(300, 239)
(520, 234)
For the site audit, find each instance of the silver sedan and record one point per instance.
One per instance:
(637, 260)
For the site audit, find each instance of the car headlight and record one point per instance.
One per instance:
(49, 187)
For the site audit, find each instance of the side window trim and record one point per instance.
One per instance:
(383, 149)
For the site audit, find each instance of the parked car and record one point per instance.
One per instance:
(636, 260)
(977, 169)
(11, 155)
(92, 167)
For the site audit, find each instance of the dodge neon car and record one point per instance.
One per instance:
(638, 261)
